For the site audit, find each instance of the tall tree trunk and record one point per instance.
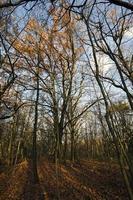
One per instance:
(72, 146)
(65, 147)
(34, 141)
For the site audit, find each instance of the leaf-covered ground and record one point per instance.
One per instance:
(84, 180)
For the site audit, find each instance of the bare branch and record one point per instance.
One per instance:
(122, 4)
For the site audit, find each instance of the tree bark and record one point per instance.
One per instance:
(34, 141)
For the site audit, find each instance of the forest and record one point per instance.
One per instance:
(66, 100)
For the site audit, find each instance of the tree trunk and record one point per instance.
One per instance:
(34, 142)
(72, 147)
(65, 148)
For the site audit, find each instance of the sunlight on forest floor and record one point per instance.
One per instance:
(83, 180)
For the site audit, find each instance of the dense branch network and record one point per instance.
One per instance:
(121, 3)
(7, 4)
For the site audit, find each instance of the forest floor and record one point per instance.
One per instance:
(84, 180)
